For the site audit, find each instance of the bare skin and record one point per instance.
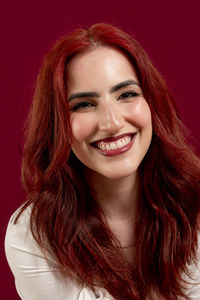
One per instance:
(118, 200)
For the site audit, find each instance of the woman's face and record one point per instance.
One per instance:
(110, 119)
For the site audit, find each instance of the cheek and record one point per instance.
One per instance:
(82, 126)
(140, 113)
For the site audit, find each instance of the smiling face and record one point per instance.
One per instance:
(110, 119)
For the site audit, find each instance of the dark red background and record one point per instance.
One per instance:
(168, 30)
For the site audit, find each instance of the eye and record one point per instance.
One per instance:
(81, 105)
(127, 95)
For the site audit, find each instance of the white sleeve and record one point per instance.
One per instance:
(38, 277)
(193, 288)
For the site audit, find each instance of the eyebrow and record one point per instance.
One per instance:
(112, 90)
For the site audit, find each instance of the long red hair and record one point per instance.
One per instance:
(69, 224)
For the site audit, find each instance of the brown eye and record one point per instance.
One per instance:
(82, 105)
(128, 95)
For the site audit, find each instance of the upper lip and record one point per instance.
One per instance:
(113, 138)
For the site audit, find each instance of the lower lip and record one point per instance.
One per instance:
(117, 151)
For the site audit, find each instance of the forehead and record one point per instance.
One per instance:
(99, 68)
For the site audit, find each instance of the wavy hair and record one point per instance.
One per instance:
(69, 224)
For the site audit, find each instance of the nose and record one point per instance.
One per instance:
(110, 119)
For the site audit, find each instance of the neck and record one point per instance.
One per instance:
(116, 197)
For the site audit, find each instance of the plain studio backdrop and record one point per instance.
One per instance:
(168, 30)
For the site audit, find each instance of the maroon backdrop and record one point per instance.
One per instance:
(169, 31)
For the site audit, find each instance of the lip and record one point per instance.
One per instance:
(112, 139)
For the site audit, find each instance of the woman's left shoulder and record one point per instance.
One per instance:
(193, 278)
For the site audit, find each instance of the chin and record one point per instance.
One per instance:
(116, 174)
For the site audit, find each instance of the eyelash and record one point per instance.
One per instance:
(129, 95)
(86, 104)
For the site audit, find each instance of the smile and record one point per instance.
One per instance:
(115, 145)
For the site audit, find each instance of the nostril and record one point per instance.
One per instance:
(110, 125)
(110, 122)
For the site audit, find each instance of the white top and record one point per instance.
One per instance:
(37, 277)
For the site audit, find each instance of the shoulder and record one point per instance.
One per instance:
(193, 278)
(37, 274)
(19, 238)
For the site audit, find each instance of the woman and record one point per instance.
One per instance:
(112, 186)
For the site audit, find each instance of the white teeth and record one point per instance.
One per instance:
(119, 144)
(107, 147)
(123, 142)
(115, 145)
(127, 139)
(102, 146)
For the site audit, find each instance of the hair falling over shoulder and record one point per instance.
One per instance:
(63, 215)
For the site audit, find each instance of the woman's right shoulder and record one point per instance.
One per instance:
(18, 234)
(19, 240)
(37, 274)
(24, 217)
